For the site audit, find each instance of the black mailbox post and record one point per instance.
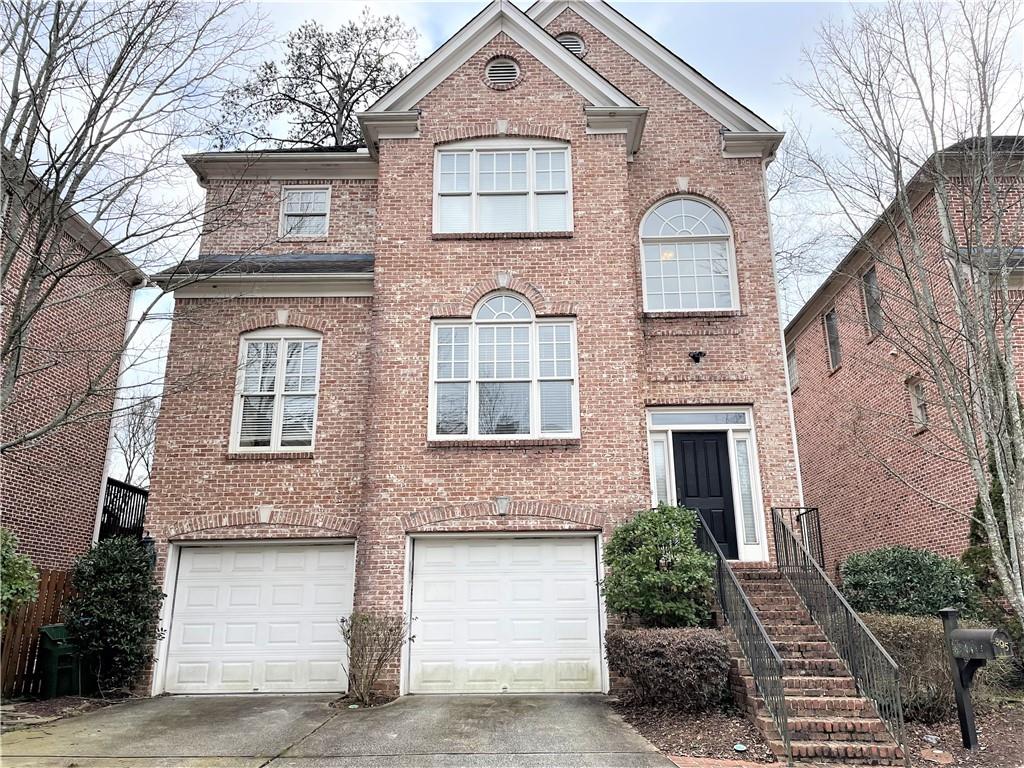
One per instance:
(969, 651)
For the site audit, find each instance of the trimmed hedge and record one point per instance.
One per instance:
(656, 572)
(685, 668)
(905, 580)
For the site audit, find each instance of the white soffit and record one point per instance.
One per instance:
(659, 59)
(498, 16)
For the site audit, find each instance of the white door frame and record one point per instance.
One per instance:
(602, 620)
(159, 682)
(757, 552)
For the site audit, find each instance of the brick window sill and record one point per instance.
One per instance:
(700, 314)
(835, 370)
(500, 235)
(270, 456)
(571, 442)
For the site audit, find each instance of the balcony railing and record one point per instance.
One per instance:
(805, 522)
(124, 510)
(876, 673)
(763, 659)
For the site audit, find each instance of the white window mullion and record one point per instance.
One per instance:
(276, 422)
(472, 427)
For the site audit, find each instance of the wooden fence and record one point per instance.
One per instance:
(20, 652)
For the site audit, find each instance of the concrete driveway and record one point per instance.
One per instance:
(304, 732)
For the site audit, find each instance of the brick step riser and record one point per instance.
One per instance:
(832, 729)
(848, 753)
(844, 688)
(826, 706)
(804, 668)
(796, 649)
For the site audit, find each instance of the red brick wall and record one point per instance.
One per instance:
(243, 217)
(877, 478)
(51, 487)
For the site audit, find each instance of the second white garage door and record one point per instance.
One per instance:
(505, 615)
(260, 617)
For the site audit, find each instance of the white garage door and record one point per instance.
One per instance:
(516, 615)
(260, 618)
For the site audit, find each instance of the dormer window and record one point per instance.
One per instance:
(503, 185)
(304, 211)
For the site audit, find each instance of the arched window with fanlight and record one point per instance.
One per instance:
(688, 259)
(503, 374)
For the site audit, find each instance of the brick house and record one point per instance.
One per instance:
(874, 456)
(539, 299)
(52, 485)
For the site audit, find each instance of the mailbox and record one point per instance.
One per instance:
(984, 644)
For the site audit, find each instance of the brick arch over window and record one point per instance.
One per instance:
(487, 510)
(504, 281)
(336, 524)
(280, 318)
(501, 128)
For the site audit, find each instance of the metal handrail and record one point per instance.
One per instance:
(876, 673)
(764, 660)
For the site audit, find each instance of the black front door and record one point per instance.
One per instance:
(703, 482)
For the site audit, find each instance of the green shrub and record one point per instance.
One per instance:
(114, 614)
(19, 579)
(656, 572)
(686, 668)
(905, 580)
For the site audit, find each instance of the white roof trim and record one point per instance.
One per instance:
(282, 165)
(659, 59)
(500, 16)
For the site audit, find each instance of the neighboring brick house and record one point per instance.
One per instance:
(876, 454)
(52, 485)
(540, 299)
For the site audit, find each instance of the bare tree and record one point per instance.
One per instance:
(928, 98)
(99, 101)
(135, 438)
(311, 98)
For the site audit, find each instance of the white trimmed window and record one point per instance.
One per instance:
(513, 185)
(688, 259)
(503, 375)
(835, 350)
(918, 402)
(304, 211)
(793, 369)
(277, 391)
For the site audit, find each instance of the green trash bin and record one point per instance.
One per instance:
(58, 663)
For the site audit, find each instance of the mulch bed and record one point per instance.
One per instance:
(347, 702)
(700, 734)
(1000, 740)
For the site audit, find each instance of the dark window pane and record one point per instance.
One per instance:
(452, 409)
(873, 302)
(835, 354)
(504, 408)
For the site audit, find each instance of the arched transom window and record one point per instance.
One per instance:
(503, 374)
(688, 262)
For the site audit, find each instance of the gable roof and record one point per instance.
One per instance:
(610, 110)
(659, 59)
(500, 16)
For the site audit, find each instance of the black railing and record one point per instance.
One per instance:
(124, 510)
(805, 522)
(876, 673)
(762, 657)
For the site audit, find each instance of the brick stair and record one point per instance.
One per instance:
(828, 720)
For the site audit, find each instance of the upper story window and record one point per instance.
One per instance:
(688, 260)
(504, 374)
(872, 302)
(277, 391)
(835, 352)
(794, 371)
(918, 402)
(304, 211)
(506, 185)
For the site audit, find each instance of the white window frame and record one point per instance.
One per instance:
(659, 438)
(474, 380)
(283, 232)
(474, 148)
(729, 239)
(282, 336)
(918, 402)
(834, 364)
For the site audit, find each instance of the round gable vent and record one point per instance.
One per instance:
(501, 72)
(573, 43)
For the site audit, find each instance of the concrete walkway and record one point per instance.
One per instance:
(304, 732)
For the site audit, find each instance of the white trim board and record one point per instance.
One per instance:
(659, 59)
